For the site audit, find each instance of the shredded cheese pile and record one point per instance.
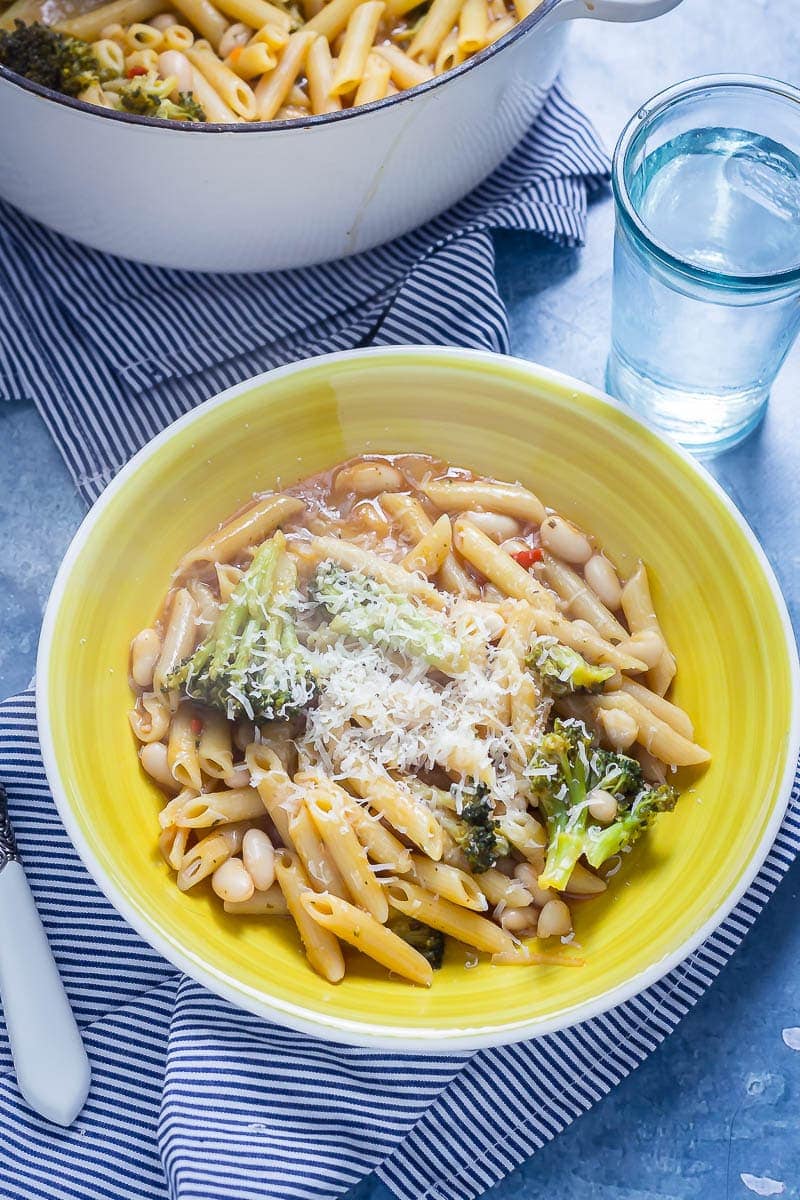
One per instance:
(378, 709)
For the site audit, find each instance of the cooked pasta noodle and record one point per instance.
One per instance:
(403, 704)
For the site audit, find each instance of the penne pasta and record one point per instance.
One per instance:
(637, 605)
(205, 18)
(350, 857)
(232, 90)
(407, 815)
(332, 18)
(374, 81)
(511, 499)
(172, 843)
(278, 794)
(216, 110)
(362, 26)
(271, 903)
(452, 919)
(406, 73)
(182, 757)
(208, 854)
(202, 810)
(90, 25)
(416, 524)
(319, 71)
(250, 61)
(273, 89)
(251, 527)
(348, 554)
(524, 833)
(322, 871)
(321, 946)
(579, 599)
(380, 843)
(437, 23)
(215, 748)
(361, 930)
(432, 550)
(654, 734)
(448, 882)
(663, 709)
(473, 26)
(499, 567)
(150, 718)
(256, 13)
(179, 636)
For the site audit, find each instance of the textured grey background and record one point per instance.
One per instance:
(722, 1096)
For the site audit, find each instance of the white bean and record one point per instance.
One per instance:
(602, 579)
(619, 727)
(258, 855)
(562, 538)
(173, 63)
(164, 20)
(520, 920)
(528, 874)
(153, 758)
(602, 806)
(145, 650)
(368, 479)
(497, 526)
(555, 920)
(231, 881)
(235, 35)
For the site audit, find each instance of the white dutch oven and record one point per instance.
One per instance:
(286, 194)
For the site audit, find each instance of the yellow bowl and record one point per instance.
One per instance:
(717, 598)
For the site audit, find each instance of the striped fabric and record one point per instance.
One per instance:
(111, 352)
(191, 1098)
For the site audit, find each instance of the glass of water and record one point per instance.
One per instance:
(706, 301)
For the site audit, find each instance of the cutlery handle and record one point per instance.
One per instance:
(51, 1065)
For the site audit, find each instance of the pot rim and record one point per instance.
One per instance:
(521, 29)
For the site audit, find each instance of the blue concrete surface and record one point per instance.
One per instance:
(720, 1098)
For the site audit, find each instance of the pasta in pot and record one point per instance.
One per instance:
(253, 60)
(371, 715)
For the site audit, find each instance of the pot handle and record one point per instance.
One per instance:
(608, 10)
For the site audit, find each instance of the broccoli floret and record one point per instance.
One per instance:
(565, 769)
(252, 664)
(602, 844)
(617, 774)
(370, 611)
(140, 98)
(54, 60)
(428, 942)
(560, 775)
(475, 831)
(563, 670)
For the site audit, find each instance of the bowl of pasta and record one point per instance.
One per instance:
(418, 697)
(195, 134)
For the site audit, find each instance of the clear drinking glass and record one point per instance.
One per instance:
(706, 301)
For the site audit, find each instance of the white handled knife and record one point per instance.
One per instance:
(52, 1069)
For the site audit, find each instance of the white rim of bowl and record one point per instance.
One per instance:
(371, 1033)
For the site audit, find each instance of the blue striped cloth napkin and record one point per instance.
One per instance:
(191, 1098)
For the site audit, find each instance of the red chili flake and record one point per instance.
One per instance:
(196, 726)
(134, 71)
(526, 558)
